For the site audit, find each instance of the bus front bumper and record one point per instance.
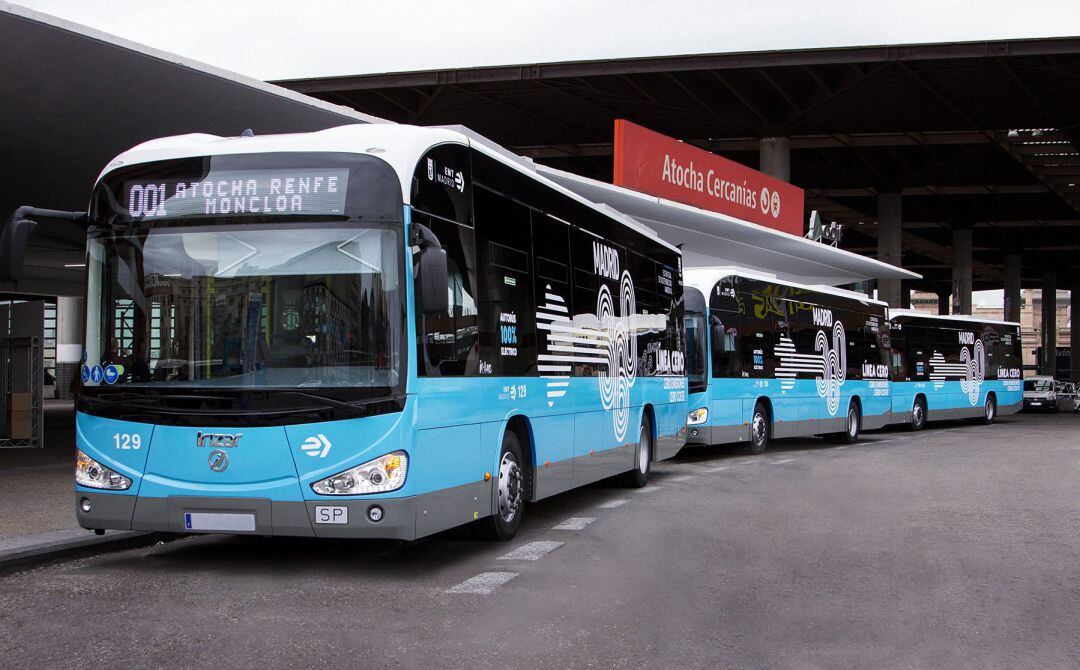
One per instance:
(396, 517)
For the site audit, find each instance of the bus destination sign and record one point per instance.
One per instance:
(233, 192)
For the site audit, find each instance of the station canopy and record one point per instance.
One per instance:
(979, 135)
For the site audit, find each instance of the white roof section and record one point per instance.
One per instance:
(967, 318)
(712, 239)
(703, 279)
(399, 145)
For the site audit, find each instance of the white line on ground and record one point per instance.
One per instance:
(649, 489)
(680, 478)
(719, 469)
(531, 551)
(783, 460)
(485, 582)
(750, 462)
(574, 523)
(838, 448)
(612, 504)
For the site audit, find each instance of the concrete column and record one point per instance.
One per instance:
(1049, 324)
(1074, 332)
(1012, 287)
(943, 303)
(775, 157)
(961, 271)
(70, 334)
(889, 244)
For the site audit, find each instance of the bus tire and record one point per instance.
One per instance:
(918, 414)
(760, 430)
(854, 424)
(638, 478)
(989, 409)
(510, 492)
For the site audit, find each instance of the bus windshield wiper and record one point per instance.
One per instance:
(332, 402)
(144, 400)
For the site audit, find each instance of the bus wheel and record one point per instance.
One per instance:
(759, 430)
(854, 425)
(639, 476)
(989, 410)
(511, 490)
(918, 414)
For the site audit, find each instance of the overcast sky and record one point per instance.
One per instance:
(274, 39)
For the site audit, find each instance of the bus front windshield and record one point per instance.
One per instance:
(251, 306)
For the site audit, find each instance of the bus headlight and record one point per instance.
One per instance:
(385, 473)
(94, 475)
(697, 416)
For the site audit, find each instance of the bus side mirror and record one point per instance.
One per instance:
(433, 280)
(13, 240)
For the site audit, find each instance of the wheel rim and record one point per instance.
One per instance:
(759, 428)
(644, 451)
(509, 487)
(853, 422)
(989, 409)
(917, 414)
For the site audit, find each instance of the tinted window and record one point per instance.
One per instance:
(448, 344)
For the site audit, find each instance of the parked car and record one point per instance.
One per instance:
(1040, 394)
(1066, 396)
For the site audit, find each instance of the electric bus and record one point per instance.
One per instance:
(368, 331)
(772, 359)
(953, 367)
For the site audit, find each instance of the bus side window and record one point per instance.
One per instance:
(447, 344)
(507, 317)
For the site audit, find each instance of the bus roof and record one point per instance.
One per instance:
(397, 144)
(969, 318)
(704, 279)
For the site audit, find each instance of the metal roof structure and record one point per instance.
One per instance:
(979, 135)
(74, 98)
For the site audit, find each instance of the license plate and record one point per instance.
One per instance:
(331, 514)
(221, 521)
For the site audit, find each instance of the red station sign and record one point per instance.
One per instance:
(659, 165)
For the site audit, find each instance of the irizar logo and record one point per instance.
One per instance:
(217, 440)
(316, 445)
(828, 365)
(970, 371)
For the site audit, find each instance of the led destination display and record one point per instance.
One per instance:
(231, 192)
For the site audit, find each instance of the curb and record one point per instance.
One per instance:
(30, 550)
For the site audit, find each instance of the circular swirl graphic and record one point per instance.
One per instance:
(833, 365)
(974, 371)
(619, 375)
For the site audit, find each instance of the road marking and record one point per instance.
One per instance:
(649, 489)
(838, 448)
(783, 460)
(744, 462)
(680, 478)
(612, 504)
(531, 551)
(483, 583)
(719, 469)
(574, 523)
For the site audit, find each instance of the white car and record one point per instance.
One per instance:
(1040, 394)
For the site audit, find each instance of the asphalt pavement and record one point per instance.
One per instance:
(955, 547)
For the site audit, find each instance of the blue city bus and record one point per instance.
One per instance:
(953, 367)
(772, 359)
(372, 331)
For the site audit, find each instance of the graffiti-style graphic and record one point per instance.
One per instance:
(619, 375)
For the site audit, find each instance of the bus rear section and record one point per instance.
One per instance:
(267, 352)
(953, 367)
(785, 360)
